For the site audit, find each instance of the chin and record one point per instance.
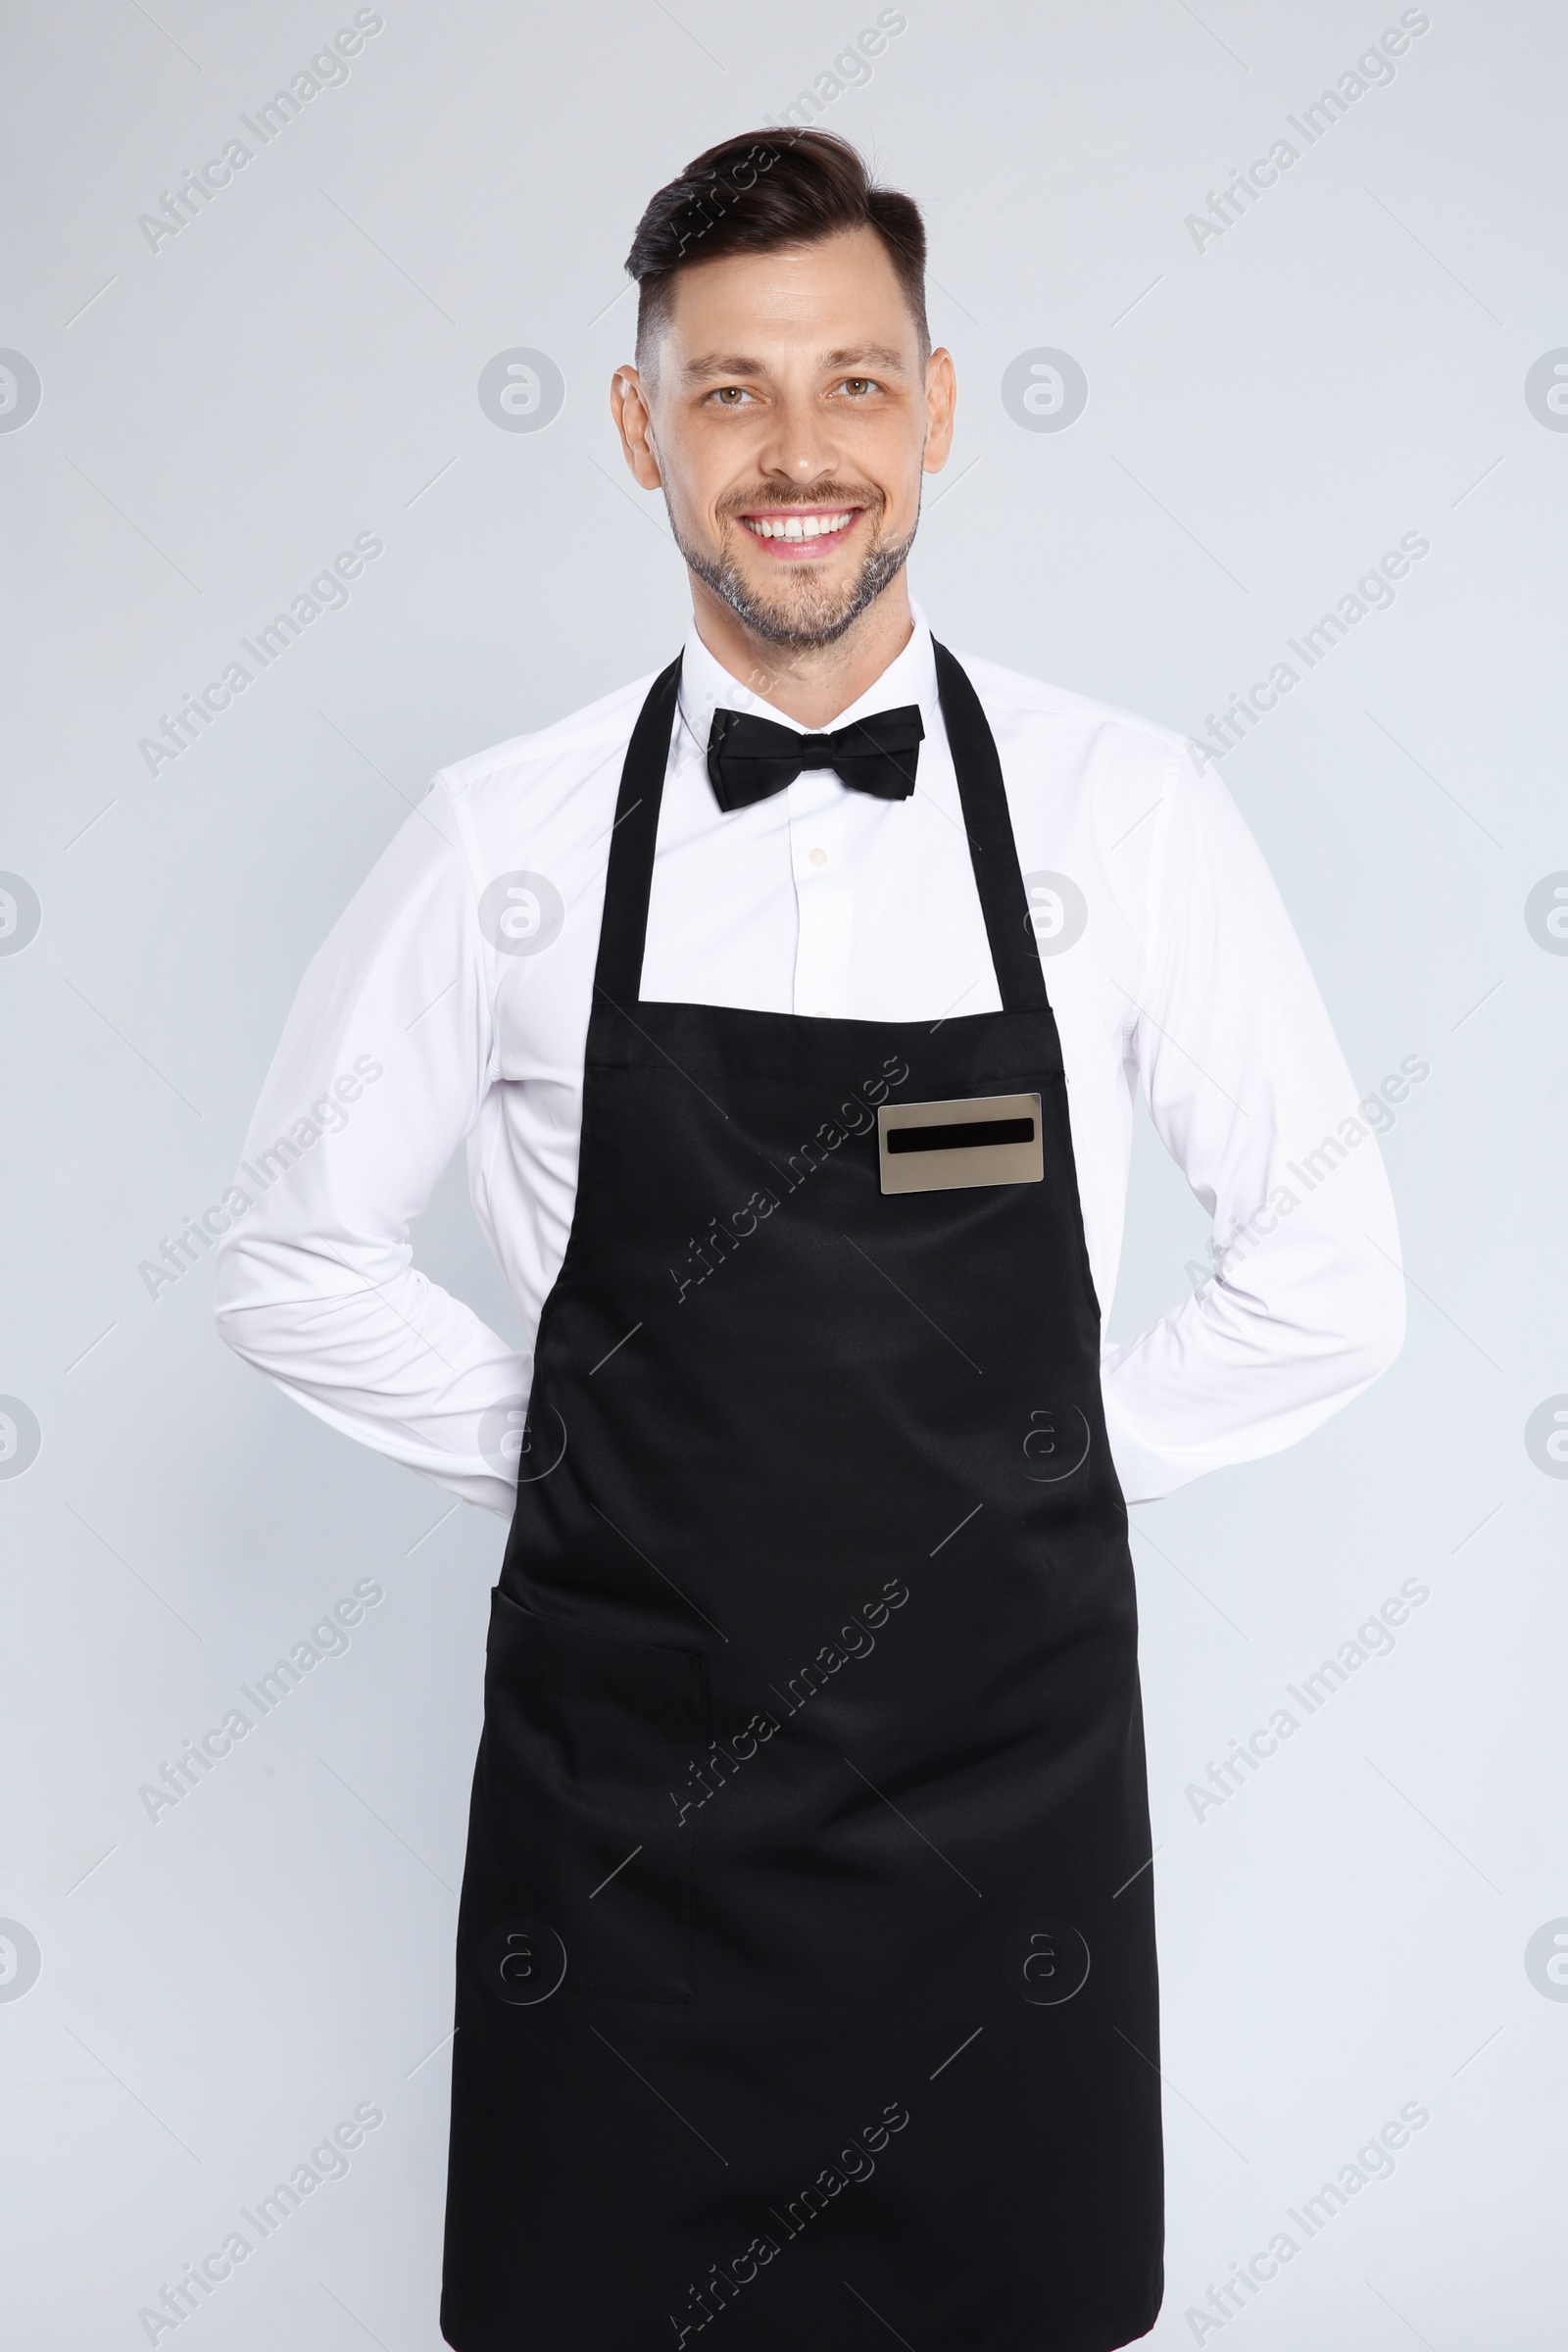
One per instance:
(817, 615)
(799, 614)
(804, 590)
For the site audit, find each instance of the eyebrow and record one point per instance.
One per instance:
(875, 354)
(728, 362)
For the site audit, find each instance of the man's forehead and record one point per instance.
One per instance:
(850, 274)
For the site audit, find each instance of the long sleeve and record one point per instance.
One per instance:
(381, 1072)
(1250, 1093)
(417, 1028)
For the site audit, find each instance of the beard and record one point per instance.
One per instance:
(802, 613)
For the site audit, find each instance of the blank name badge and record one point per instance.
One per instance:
(946, 1146)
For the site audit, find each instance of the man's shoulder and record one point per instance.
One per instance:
(1015, 701)
(572, 749)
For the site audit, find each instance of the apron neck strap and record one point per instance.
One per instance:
(993, 852)
(982, 796)
(628, 880)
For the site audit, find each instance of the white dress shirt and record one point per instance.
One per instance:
(1169, 958)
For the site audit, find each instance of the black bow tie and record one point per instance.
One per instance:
(749, 758)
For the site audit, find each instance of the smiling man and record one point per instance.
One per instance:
(794, 1006)
(795, 549)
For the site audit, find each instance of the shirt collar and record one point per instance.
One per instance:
(705, 685)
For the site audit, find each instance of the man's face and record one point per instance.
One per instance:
(788, 420)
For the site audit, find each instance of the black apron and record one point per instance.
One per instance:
(806, 1983)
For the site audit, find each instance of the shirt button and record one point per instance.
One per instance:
(819, 857)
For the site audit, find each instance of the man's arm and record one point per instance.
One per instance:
(380, 1073)
(1250, 1094)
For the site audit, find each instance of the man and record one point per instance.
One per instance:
(805, 1965)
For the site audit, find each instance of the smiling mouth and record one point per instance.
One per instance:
(791, 530)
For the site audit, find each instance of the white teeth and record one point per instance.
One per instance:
(796, 527)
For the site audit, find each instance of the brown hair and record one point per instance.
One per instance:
(762, 192)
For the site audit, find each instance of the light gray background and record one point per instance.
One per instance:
(1265, 417)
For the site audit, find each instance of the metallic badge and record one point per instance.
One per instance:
(945, 1146)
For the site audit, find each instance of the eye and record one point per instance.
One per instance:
(857, 386)
(729, 396)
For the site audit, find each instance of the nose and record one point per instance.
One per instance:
(801, 449)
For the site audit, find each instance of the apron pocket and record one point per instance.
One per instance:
(586, 1739)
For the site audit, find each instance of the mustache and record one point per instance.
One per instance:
(830, 494)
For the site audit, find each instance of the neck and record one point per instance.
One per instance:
(812, 684)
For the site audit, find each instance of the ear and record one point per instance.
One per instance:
(629, 405)
(941, 399)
